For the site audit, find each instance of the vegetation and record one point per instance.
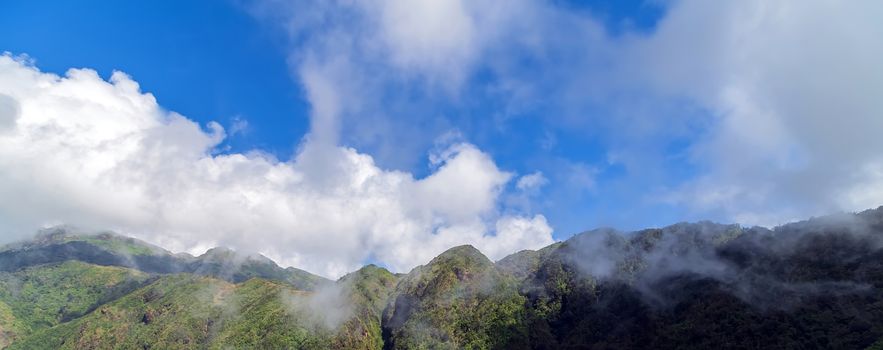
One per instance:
(812, 284)
(43, 296)
(184, 311)
(231, 266)
(108, 249)
(459, 300)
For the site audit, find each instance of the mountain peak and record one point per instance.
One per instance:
(228, 255)
(465, 253)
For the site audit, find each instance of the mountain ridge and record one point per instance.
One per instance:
(816, 283)
(109, 249)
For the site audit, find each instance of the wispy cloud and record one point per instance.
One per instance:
(774, 107)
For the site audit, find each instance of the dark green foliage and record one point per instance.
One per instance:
(524, 264)
(808, 285)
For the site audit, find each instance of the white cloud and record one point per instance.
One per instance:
(387, 63)
(102, 154)
(794, 87)
(440, 41)
(789, 127)
(777, 102)
(429, 36)
(8, 113)
(790, 91)
(531, 182)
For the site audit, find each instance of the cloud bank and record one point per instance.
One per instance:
(103, 155)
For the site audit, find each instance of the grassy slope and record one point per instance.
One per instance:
(186, 311)
(39, 297)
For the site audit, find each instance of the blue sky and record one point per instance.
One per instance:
(628, 114)
(208, 60)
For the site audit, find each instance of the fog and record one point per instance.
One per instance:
(765, 267)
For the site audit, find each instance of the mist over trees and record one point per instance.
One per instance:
(810, 284)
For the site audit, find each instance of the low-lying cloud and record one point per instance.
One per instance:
(104, 155)
(775, 268)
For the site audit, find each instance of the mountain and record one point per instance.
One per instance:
(39, 297)
(183, 311)
(109, 249)
(811, 284)
(234, 267)
(458, 300)
(815, 284)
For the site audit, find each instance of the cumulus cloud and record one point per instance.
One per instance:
(104, 155)
(8, 112)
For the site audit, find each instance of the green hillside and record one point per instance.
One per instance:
(186, 311)
(108, 249)
(458, 300)
(43, 296)
(807, 285)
